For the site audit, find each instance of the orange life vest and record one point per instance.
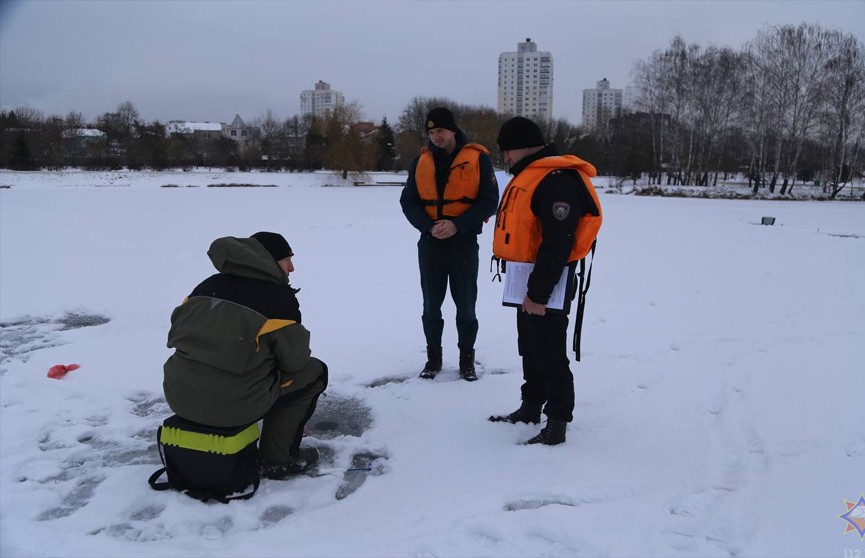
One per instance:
(518, 232)
(463, 182)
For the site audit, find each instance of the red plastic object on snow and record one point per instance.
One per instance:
(59, 370)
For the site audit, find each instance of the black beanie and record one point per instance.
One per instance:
(441, 117)
(275, 244)
(519, 133)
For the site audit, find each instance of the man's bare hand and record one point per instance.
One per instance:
(531, 307)
(444, 229)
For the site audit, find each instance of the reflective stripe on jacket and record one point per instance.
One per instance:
(518, 234)
(463, 182)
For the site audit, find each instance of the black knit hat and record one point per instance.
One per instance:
(441, 117)
(275, 244)
(519, 133)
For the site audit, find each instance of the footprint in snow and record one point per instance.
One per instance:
(535, 503)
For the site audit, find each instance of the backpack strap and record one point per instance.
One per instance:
(205, 496)
(584, 283)
(165, 485)
(255, 483)
(500, 267)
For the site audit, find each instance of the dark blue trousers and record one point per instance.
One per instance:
(454, 262)
(547, 377)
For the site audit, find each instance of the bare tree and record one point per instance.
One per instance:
(346, 151)
(564, 134)
(127, 114)
(843, 118)
(414, 114)
(759, 112)
(74, 120)
(272, 138)
(29, 117)
(715, 98)
(51, 143)
(479, 123)
(119, 127)
(789, 60)
(24, 129)
(295, 134)
(651, 98)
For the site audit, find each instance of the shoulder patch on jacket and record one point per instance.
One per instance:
(561, 210)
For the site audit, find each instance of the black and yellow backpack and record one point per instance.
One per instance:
(207, 463)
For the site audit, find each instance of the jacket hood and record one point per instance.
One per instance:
(245, 257)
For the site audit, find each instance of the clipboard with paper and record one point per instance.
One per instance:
(516, 285)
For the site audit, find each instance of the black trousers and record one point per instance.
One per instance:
(547, 377)
(451, 261)
(282, 426)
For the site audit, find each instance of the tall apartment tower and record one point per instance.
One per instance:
(600, 105)
(319, 101)
(526, 82)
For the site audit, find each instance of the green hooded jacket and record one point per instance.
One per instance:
(238, 339)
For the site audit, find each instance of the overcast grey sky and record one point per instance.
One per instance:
(208, 60)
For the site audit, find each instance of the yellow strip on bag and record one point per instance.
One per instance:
(211, 443)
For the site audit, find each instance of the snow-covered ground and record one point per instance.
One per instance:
(719, 408)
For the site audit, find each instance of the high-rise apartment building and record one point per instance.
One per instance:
(526, 82)
(320, 100)
(600, 105)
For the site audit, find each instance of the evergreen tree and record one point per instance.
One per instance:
(385, 147)
(21, 158)
(314, 146)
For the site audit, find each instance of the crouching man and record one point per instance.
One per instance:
(242, 355)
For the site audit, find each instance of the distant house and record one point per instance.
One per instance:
(199, 131)
(91, 134)
(363, 129)
(78, 142)
(241, 133)
(206, 132)
(197, 138)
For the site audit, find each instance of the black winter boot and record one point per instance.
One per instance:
(299, 462)
(467, 365)
(433, 363)
(550, 435)
(527, 413)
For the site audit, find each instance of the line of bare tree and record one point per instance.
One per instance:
(788, 106)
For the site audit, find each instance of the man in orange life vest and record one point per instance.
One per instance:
(545, 225)
(450, 191)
